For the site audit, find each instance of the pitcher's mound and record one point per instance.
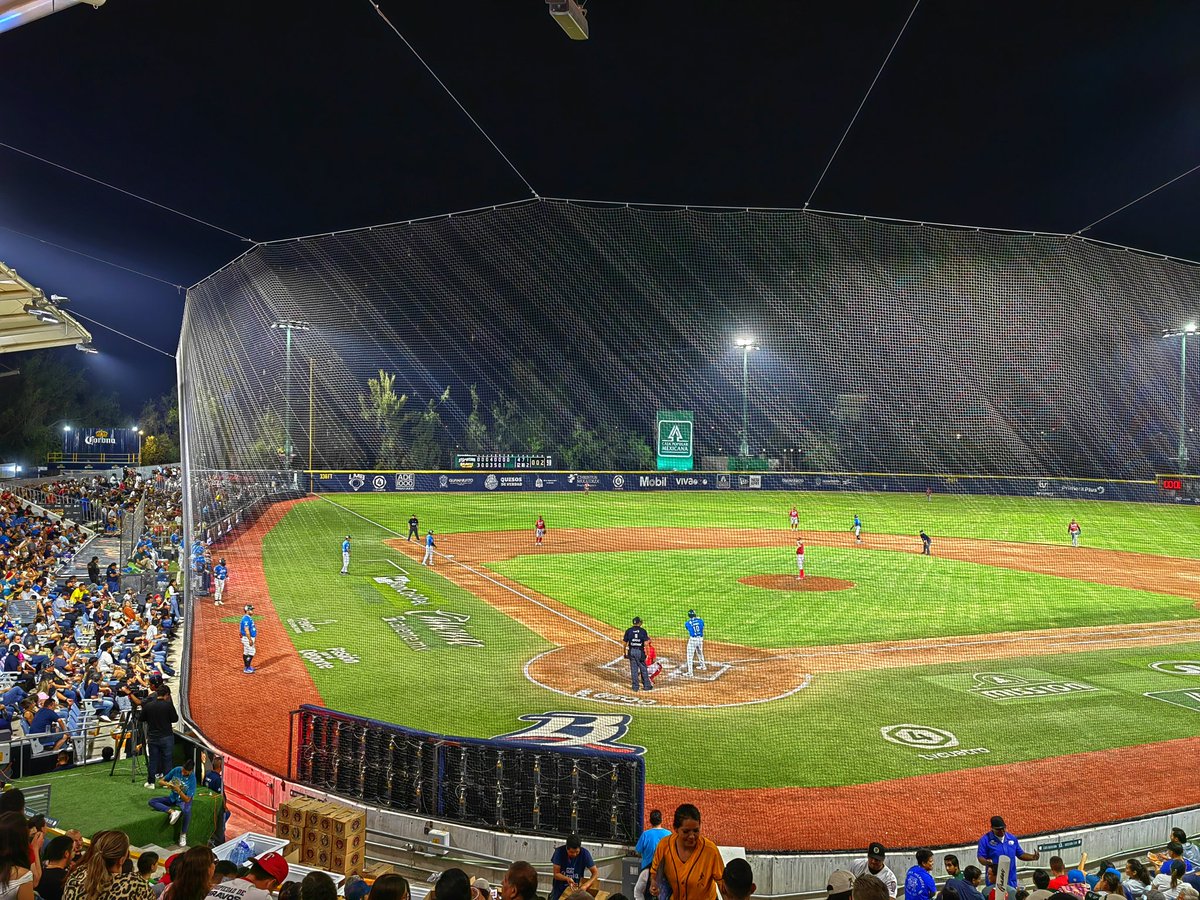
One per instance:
(792, 583)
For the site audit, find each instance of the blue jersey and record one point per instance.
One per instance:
(695, 627)
(919, 884)
(221, 572)
(429, 539)
(346, 546)
(992, 848)
(247, 627)
(857, 522)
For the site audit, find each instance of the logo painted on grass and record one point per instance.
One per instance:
(308, 626)
(1188, 699)
(939, 743)
(582, 730)
(422, 628)
(324, 659)
(922, 737)
(999, 686)
(1177, 667)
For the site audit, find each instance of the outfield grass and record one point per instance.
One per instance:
(898, 596)
(825, 735)
(1168, 530)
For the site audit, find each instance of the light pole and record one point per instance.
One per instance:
(1182, 333)
(288, 325)
(140, 432)
(747, 344)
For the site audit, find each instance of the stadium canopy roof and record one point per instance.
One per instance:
(30, 321)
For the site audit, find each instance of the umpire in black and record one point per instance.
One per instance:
(635, 651)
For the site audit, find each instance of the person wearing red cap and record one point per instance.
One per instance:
(267, 873)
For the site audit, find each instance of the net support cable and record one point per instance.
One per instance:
(121, 190)
(863, 103)
(450, 93)
(34, 237)
(129, 337)
(1080, 232)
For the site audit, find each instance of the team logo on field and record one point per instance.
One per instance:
(1177, 667)
(379, 482)
(998, 686)
(443, 481)
(356, 481)
(406, 481)
(923, 737)
(618, 481)
(581, 730)
(491, 482)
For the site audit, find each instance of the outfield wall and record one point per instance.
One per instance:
(466, 481)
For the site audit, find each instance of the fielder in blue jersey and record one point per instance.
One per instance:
(249, 632)
(220, 574)
(857, 529)
(346, 556)
(695, 644)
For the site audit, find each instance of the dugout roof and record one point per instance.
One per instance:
(27, 317)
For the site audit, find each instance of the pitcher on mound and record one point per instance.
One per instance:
(799, 558)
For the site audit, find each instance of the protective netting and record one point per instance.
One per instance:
(884, 347)
(332, 372)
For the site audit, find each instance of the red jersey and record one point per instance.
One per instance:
(799, 549)
(540, 523)
(793, 513)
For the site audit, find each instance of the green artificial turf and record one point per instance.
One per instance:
(361, 633)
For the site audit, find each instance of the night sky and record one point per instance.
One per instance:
(274, 120)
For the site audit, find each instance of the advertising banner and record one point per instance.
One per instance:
(101, 441)
(674, 440)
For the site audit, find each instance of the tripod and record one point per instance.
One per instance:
(130, 737)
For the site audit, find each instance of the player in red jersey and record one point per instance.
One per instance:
(539, 531)
(653, 666)
(799, 558)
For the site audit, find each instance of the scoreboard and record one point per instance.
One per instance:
(1180, 485)
(503, 461)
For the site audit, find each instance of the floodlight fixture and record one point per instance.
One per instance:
(66, 428)
(289, 325)
(292, 325)
(86, 347)
(42, 314)
(747, 343)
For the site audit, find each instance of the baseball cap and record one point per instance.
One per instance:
(997, 822)
(840, 882)
(356, 888)
(876, 851)
(1075, 876)
(249, 607)
(691, 614)
(273, 864)
(481, 885)
(637, 620)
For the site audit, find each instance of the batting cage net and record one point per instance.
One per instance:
(822, 458)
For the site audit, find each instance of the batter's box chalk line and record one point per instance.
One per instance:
(714, 671)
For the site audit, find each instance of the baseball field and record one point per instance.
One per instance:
(875, 700)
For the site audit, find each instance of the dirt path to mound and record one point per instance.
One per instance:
(220, 695)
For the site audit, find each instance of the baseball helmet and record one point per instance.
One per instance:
(249, 607)
(691, 614)
(637, 620)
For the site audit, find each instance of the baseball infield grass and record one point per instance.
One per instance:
(828, 734)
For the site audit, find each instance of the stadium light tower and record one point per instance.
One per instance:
(288, 325)
(1182, 333)
(746, 342)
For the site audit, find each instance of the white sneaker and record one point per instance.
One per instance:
(149, 785)
(183, 840)
(173, 815)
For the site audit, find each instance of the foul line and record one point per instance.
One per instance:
(484, 576)
(397, 565)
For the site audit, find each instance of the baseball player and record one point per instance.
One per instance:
(220, 573)
(926, 543)
(539, 531)
(794, 518)
(427, 559)
(413, 524)
(857, 529)
(346, 556)
(249, 634)
(695, 644)
(1073, 530)
(799, 558)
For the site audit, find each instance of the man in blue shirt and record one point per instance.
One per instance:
(646, 846)
(182, 781)
(695, 643)
(220, 573)
(47, 721)
(998, 843)
(346, 556)
(571, 862)
(249, 633)
(918, 883)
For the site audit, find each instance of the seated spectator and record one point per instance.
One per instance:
(573, 868)
(1110, 884)
(1169, 878)
(225, 871)
(918, 881)
(58, 855)
(839, 887)
(1190, 851)
(520, 883)
(194, 877)
(453, 884)
(267, 873)
(319, 886)
(968, 888)
(48, 722)
(147, 864)
(100, 876)
(868, 887)
(1136, 880)
(738, 883)
(16, 876)
(1041, 885)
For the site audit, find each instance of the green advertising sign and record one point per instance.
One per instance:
(675, 448)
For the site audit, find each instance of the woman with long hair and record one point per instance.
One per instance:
(318, 886)
(99, 876)
(195, 876)
(1110, 883)
(1169, 878)
(16, 878)
(1137, 880)
(689, 865)
(390, 887)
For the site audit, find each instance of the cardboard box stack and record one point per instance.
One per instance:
(323, 835)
